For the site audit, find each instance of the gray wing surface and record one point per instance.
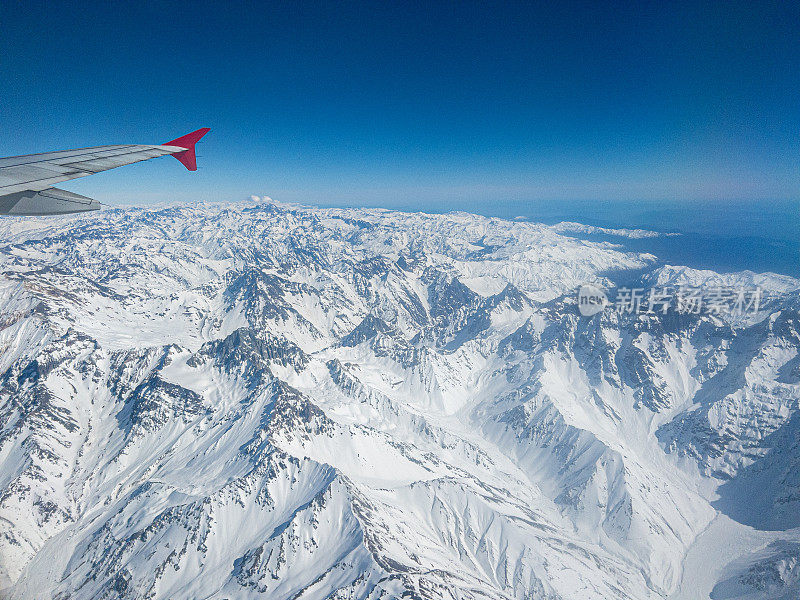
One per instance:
(26, 182)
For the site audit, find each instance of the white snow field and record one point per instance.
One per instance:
(260, 400)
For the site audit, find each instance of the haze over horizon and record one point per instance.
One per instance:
(355, 103)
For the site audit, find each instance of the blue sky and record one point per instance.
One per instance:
(425, 103)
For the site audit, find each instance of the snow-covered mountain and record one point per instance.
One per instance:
(266, 401)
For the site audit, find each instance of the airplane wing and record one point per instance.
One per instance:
(26, 182)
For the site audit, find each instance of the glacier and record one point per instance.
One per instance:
(262, 400)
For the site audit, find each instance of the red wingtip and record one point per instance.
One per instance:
(188, 158)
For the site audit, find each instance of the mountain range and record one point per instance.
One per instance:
(262, 400)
